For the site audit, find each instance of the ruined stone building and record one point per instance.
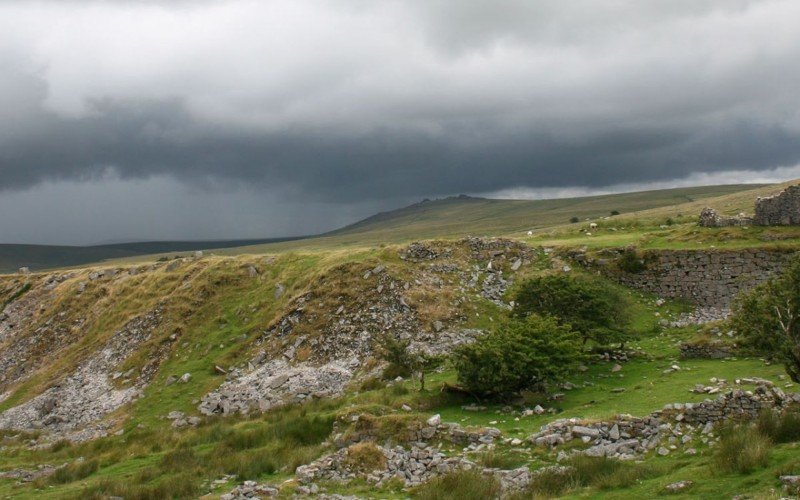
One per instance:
(783, 209)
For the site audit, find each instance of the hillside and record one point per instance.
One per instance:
(227, 376)
(457, 217)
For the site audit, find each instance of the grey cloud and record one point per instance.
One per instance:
(372, 103)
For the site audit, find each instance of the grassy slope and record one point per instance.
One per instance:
(458, 217)
(221, 329)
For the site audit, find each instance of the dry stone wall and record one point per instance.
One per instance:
(706, 277)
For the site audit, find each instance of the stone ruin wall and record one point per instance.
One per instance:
(780, 210)
(783, 209)
(709, 278)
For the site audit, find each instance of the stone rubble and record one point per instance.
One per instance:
(700, 316)
(710, 218)
(627, 437)
(277, 383)
(87, 394)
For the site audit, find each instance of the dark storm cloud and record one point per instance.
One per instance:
(382, 101)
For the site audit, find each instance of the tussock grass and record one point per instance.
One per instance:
(550, 484)
(780, 427)
(460, 485)
(741, 449)
(365, 457)
(175, 486)
(581, 471)
(497, 460)
(74, 472)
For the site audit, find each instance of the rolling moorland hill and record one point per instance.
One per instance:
(261, 373)
(451, 217)
(14, 256)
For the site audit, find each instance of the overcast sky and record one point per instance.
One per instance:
(225, 119)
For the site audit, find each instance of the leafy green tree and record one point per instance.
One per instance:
(396, 353)
(594, 308)
(527, 353)
(403, 361)
(767, 319)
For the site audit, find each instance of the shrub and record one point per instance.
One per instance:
(780, 427)
(395, 352)
(460, 485)
(741, 449)
(630, 262)
(615, 212)
(403, 361)
(767, 319)
(594, 308)
(520, 354)
(574, 220)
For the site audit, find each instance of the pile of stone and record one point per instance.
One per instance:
(87, 395)
(623, 438)
(277, 383)
(412, 467)
(710, 218)
(421, 433)
(28, 475)
(251, 490)
(705, 350)
(627, 437)
(417, 252)
(700, 316)
(179, 420)
(717, 386)
(349, 330)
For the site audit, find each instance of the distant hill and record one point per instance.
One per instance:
(459, 216)
(37, 257)
(449, 217)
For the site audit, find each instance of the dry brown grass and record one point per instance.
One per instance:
(365, 457)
